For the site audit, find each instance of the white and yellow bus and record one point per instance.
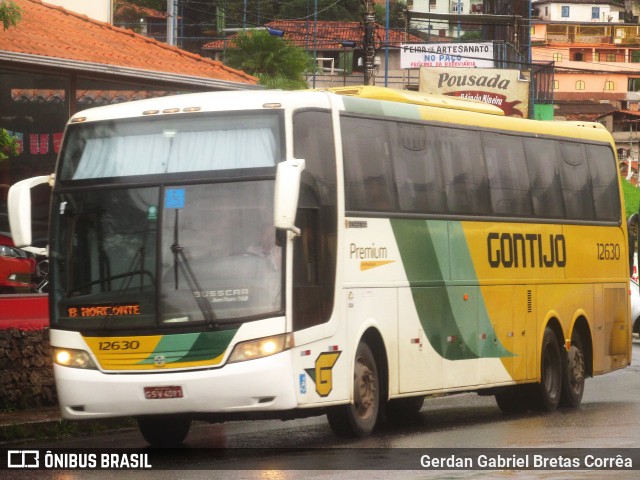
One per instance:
(268, 254)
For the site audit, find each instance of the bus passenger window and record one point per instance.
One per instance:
(576, 184)
(542, 165)
(602, 166)
(367, 165)
(418, 172)
(508, 179)
(465, 176)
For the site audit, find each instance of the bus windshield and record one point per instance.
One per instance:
(169, 145)
(160, 252)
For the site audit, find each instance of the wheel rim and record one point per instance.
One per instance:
(366, 390)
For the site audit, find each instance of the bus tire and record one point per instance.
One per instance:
(358, 419)
(513, 399)
(546, 394)
(574, 374)
(164, 430)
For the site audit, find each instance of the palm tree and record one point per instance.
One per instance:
(274, 61)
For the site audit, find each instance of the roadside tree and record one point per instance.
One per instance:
(273, 60)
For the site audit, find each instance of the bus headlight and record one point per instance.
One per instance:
(262, 347)
(68, 357)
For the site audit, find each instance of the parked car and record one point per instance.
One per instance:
(635, 305)
(17, 268)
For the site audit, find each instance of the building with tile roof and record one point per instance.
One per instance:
(56, 62)
(52, 36)
(338, 49)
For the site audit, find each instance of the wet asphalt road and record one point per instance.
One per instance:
(607, 418)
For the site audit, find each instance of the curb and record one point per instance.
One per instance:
(38, 424)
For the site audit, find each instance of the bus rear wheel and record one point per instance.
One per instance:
(164, 430)
(360, 417)
(546, 395)
(574, 374)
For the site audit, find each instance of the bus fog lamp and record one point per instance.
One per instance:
(73, 358)
(262, 347)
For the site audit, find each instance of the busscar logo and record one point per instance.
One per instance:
(23, 459)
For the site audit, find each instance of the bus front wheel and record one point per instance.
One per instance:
(358, 419)
(164, 430)
(513, 399)
(546, 394)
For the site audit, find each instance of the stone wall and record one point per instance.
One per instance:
(26, 372)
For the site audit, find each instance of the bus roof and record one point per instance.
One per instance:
(368, 100)
(417, 98)
(474, 113)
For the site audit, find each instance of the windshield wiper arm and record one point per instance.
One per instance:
(180, 260)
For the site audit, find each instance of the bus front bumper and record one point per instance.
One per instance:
(259, 385)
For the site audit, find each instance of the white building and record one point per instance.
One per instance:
(444, 28)
(101, 10)
(585, 11)
(448, 6)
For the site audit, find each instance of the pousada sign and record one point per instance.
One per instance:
(507, 89)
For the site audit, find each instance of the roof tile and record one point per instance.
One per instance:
(52, 31)
(327, 35)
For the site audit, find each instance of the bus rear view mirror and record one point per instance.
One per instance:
(19, 206)
(287, 191)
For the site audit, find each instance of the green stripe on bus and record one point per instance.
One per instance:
(191, 347)
(451, 324)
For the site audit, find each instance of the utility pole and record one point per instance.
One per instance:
(369, 46)
(171, 22)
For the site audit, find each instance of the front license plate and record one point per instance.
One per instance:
(159, 393)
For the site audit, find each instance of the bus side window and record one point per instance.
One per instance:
(602, 166)
(542, 166)
(576, 182)
(464, 171)
(418, 171)
(370, 185)
(507, 171)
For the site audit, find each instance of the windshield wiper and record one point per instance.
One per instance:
(180, 260)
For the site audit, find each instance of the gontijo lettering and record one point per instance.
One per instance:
(526, 250)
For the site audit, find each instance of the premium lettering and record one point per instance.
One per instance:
(526, 250)
(367, 253)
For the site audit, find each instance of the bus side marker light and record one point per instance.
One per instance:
(334, 348)
(305, 353)
(465, 297)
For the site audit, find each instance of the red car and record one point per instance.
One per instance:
(17, 268)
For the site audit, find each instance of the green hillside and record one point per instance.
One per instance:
(631, 197)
